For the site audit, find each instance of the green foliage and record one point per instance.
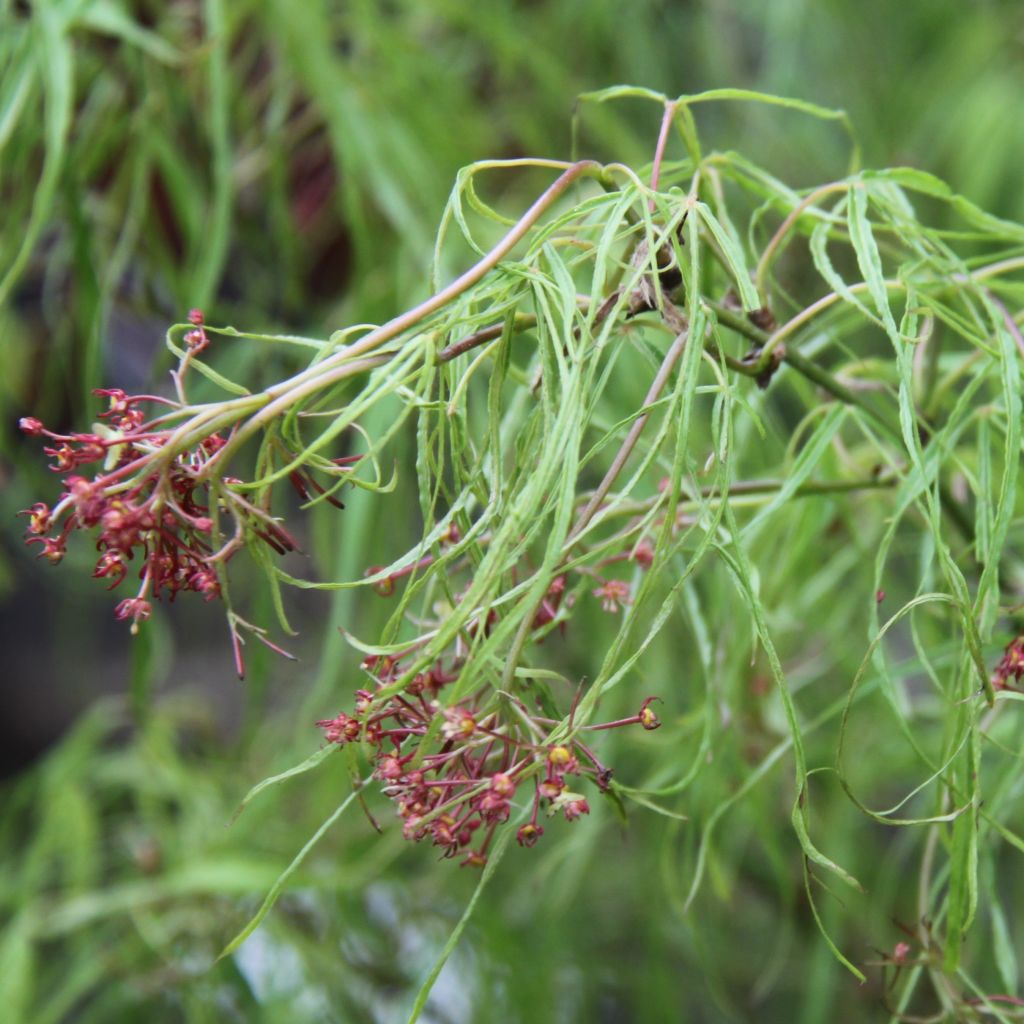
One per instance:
(802, 399)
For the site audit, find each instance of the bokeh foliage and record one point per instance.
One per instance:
(285, 167)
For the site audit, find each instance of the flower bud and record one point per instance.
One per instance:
(502, 785)
(458, 724)
(389, 767)
(135, 608)
(340, 730)
(648, 719)
(528, 835)
(643, 554)
(575, 806)
(39, 519)
(550, 789)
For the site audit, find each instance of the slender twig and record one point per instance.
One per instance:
(809, 369)
(771, 249)
(753, 488)
(467, 344)
(659, 150)
(628, 444)
(280, 398)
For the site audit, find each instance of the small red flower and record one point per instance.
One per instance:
(648, 719)
(119, 402)
(389, 768)
(550, 604)
(135, 608)
(411, 828)
(551, 788)
(613, 593)
(65, 457)
(502, 785)
(341, 730)
(205, 582)
(643, 554)
(563, 761)
(110, 566)
(40, 519)
(459, 724)
(386, 586)
(494, 804)
(123, 525)
(528, 835)
(53, 548)
(572, 805)
(87, 498)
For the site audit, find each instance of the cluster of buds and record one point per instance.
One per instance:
(1011, 665)
(454, 772)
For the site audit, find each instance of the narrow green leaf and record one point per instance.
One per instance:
(868, 258)
(56, 69)
(734, 257)
(493, 859)
(278, 887)
(309, 764)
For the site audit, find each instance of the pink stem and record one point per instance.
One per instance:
(659, 151)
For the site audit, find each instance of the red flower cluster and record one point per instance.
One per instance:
(149, 506)
(453, 771)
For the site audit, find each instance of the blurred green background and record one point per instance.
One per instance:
(284, 166)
